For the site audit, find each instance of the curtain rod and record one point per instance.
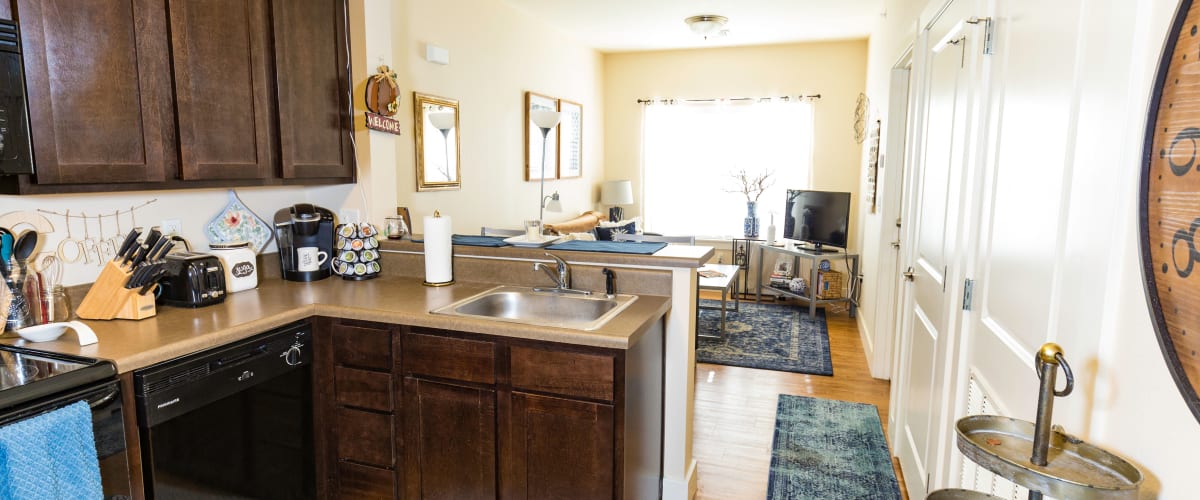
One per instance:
(811, 97)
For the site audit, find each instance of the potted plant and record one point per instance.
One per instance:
(752, 186)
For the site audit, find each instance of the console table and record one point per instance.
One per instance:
(815, 258)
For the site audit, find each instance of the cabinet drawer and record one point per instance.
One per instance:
(363, 389)
(568, 373)
(360, 481)
(450, 358)
(365, 437)
(362, 346)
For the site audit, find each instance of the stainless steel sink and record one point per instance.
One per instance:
(524, 305)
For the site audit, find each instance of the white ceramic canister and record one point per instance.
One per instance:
(241, 269)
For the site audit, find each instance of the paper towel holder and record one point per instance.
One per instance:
(438, 214)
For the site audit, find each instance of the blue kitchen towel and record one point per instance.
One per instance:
(638, 247)
(51, 456)
(472, 240)
(478, 241)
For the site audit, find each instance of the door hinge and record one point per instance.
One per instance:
(968, 294)
(987, 32)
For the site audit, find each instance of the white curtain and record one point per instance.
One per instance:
(691, 150)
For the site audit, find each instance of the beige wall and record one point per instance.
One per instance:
(496, 54)
(836, 70)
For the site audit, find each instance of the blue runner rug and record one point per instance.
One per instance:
(767, 336)
(829, 449)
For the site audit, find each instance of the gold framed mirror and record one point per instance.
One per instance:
(436, 122)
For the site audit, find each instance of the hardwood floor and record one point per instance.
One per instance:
(735, 412)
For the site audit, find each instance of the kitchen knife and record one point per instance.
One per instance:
(159, 272)
(153, 254)
(152, 237)
(135, 278)
(123, 254)
(166, 245)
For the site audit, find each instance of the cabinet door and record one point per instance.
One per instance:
(450, 441)
(559, 448)
(219, 51)
(312, 68)
(98, 83)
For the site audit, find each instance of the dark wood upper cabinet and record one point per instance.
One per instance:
(168, 94)
(99, 90)
(312, 78)
(221, 56)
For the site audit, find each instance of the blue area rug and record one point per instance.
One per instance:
(829, 449)
(768, 336)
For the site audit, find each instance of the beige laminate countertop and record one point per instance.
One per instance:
(175, 332)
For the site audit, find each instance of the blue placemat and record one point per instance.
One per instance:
(473, 240)
(635, 247)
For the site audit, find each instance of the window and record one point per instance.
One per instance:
(690, 151)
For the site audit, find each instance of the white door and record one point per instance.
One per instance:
(1039, 276)
(934, 253)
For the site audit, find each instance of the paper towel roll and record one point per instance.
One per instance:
(439, 269)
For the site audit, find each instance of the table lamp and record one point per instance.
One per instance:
(616, 193)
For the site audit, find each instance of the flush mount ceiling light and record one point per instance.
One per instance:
(707, 25)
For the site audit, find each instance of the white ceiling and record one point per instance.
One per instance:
(631, 25)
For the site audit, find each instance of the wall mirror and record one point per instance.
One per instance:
(436, 123)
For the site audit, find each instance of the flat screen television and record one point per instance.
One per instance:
(821, 218)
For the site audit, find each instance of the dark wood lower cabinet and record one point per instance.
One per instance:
(450, 433)
(560, 448)
(419, 413)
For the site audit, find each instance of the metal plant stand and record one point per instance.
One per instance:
(1038, 457)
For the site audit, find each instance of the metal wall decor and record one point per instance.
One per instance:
(1169, 205)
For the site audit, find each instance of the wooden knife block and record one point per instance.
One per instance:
(108, 297)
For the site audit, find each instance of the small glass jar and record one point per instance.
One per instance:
(58, 305)
(396, 228)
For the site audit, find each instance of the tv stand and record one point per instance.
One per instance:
(814, 256)
(816, 249)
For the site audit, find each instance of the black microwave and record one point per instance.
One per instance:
(16, 156)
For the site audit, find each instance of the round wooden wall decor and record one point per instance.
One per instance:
(1169, 208)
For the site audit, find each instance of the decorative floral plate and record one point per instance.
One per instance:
(235, 222)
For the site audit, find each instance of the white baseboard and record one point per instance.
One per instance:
(681, 490)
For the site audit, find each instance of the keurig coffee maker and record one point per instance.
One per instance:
(304, 234)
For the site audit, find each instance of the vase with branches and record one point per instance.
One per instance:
(752, 186)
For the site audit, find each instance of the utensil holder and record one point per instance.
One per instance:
(108, 298)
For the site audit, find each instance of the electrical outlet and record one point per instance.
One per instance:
(348, 216)
(171, 226)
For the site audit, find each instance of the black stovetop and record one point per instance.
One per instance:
(27, 374)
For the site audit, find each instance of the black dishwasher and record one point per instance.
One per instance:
(231, 422)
